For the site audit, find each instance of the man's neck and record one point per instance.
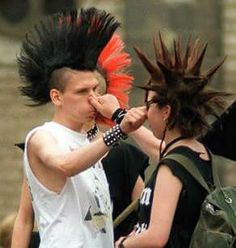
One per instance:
(75, 126)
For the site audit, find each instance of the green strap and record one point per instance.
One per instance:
(216, 178)
(190, 166)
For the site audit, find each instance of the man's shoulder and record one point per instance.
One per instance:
(39, 134)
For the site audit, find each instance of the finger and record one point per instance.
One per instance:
(100, 100)
(138, 114)
(96, 104)
(135, 115)
(130, 119)
(141, 108)
(119, 240)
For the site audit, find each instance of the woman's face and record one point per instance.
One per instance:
(157, 116)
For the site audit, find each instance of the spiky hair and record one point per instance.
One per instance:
(177, 79)
(114, 62)
(65, 39)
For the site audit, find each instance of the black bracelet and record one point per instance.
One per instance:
(112, 136)
(118, 115)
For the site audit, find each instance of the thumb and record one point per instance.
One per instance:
(142, 109)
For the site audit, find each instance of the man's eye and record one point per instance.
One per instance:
(82, 91)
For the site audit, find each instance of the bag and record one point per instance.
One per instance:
(216, 227)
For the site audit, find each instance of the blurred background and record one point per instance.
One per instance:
(212, 20)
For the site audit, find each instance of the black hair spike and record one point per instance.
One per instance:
(65, 39)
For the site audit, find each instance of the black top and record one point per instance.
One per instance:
(189, 204)
(122, 166)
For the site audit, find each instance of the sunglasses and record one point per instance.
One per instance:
(149, 103)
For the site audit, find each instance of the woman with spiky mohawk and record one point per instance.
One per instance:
(62, 62)
(178, 105)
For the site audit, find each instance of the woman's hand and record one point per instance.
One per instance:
(120, 241)
(106, 105)
(133, 119)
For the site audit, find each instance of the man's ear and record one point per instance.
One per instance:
(56, 97)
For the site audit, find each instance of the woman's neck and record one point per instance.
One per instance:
(171, 135)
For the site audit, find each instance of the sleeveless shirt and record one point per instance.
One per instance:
(190, 200)
(81, 214)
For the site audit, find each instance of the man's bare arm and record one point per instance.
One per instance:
(44, 147)
(24, 222)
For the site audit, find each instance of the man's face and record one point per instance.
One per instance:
(75, 105)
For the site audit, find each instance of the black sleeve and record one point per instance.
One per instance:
(179, 171)
(221, 138)
(122, 166)
(192, 192)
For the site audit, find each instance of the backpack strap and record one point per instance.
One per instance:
(216, 178)
(190, 166)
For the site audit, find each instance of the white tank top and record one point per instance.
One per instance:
(81, 214)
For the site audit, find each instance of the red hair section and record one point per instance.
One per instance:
(114, 62)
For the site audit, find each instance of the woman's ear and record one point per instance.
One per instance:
(166, 112)
(56, 97)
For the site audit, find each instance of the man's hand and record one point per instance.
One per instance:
(134, 119)
(106, 105)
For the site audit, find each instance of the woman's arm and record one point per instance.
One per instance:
(166, 196)
(24, 221)
(107, 105)
(148, 143)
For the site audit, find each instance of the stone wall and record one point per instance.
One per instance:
(229, 43)
(213, 19)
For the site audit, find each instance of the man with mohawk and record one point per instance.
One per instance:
(63, 62)
(178, 105)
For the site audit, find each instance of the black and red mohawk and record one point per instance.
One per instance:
(65, 39)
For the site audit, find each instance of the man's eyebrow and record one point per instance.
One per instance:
(82, 87)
